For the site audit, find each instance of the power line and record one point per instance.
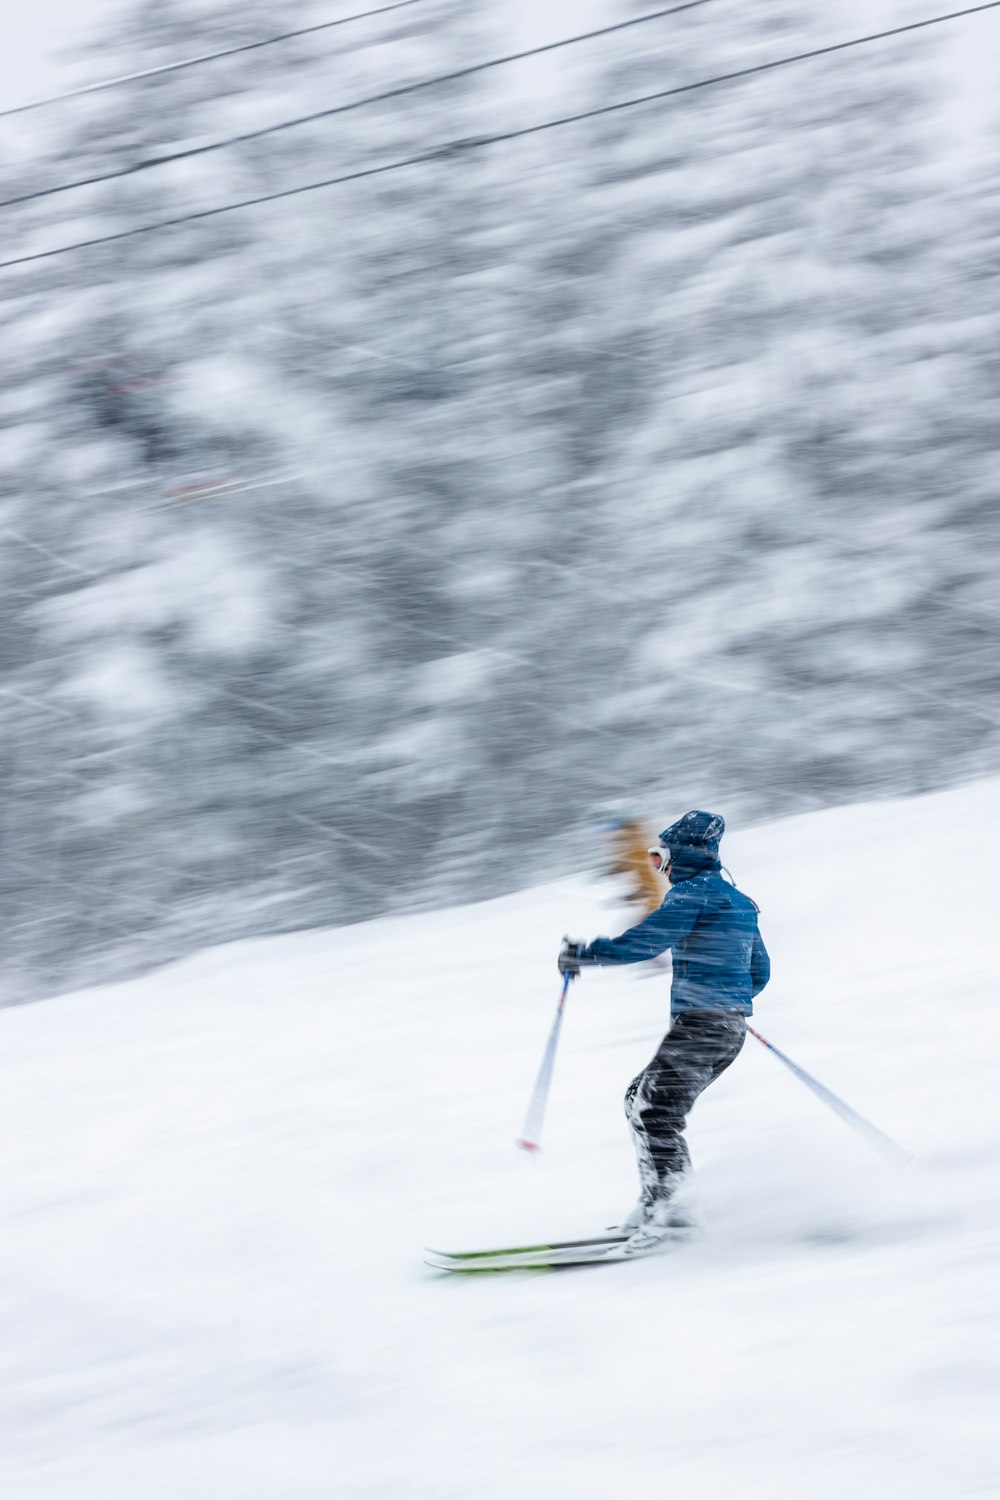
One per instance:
(191, 62)
(225, 208)
(343, 109)
(458, 147)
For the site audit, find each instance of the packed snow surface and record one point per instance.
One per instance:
(216, 1182)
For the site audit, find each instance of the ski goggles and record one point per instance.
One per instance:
(659, 857)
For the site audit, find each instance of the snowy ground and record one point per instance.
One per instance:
(215, 1184)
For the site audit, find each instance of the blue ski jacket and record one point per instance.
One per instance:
(720, 962)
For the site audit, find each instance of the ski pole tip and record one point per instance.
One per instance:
(524, 1145)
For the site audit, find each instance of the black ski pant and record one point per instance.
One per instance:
(698, 1047)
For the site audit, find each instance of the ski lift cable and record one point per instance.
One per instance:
(341, 109)
(454, 148)
(191, 62)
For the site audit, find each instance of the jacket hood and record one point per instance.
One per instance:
(693, 842)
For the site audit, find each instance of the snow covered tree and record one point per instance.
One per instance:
(360, 530)
(772, 268)
(235, 513)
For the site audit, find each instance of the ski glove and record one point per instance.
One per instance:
(569, 957)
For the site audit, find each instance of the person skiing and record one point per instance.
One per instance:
(628, 858)
(720, 964)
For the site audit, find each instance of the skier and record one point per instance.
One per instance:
(719, 965)
(629, 857)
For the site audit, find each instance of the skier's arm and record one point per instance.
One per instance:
(653, 935)
(760, 964)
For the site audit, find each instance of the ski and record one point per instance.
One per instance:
(606, 1237)
(541, 1257)
(598, 1251)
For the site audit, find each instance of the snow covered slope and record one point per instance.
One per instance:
(215, 1184)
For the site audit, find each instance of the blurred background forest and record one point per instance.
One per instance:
(360, 544)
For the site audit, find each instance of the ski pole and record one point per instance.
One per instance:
(868, 1132)
(530, 1138)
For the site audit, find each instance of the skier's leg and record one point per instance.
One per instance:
(698, 1048)
(636, 1108)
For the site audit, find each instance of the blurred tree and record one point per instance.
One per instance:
(243, 446)
(360, 543)
(773, 280)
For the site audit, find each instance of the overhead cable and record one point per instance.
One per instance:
(192, 62)
(342, 109)
(454, 148)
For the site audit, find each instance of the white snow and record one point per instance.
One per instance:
(215, 1183)
(214, 591)
(449, 679)
(125, 680)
